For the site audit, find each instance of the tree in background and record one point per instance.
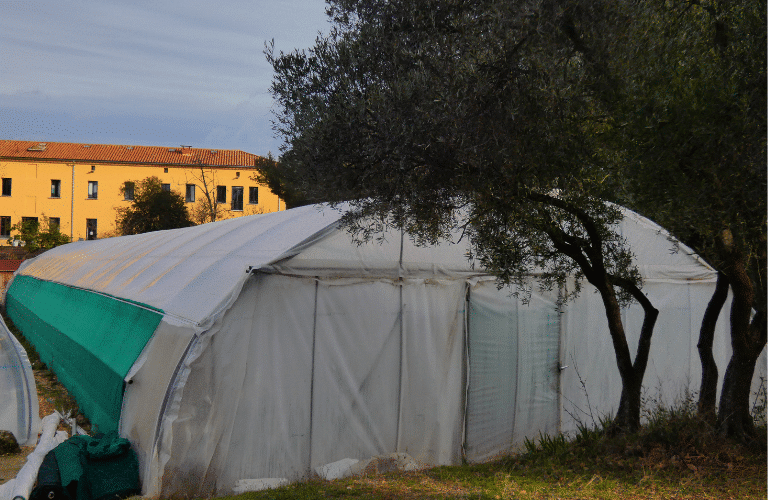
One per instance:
(207, 209)
(152, 209)
(690, 122)
(39, 236)
(426, 113)
(280, 181)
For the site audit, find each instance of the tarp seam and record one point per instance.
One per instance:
(138, 304)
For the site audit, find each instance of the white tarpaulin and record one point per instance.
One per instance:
(285, 346)
(19, 408)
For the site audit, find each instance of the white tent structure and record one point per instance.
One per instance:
(19, 409)
(273, 344)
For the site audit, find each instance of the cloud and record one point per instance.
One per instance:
(169, 65)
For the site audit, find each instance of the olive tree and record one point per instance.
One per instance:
(423, 114)
(689, 116)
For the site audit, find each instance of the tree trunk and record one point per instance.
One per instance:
(629, 404)
(628, 415)
(589, 258)
(747, 340)
(734, 418)
(708, 389)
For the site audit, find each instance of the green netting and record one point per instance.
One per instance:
(493, 361)
(89, 340)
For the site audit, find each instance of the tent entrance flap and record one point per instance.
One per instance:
(89, 340)
(513, 375)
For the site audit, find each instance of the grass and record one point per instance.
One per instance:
(675, 455)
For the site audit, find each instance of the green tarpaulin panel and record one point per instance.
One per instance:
(88, 339)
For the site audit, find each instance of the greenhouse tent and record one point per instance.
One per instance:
(270, 345)
(19, 412)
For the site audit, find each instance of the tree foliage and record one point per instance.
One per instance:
(692, 118)
(152, 209)
(428, 113)
(415, 111)
(39, 236)
(690, 121)
(272, 173)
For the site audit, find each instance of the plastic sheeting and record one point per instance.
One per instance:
(20, 487)
(88, 339)
(591, 386)
(148, 385)
(392, 255)
(513, 353)
(327, 350)
(19, 409)
(329, 377)
(191, 273)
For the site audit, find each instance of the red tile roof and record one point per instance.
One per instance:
(9, 265)
(108, 153)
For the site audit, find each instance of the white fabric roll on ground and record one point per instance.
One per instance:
(21, 486)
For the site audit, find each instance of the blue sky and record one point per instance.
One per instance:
(155, 72)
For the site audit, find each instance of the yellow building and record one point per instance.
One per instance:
(80, 186)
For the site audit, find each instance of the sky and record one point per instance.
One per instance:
(147, 72)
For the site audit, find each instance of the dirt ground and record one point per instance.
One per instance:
(11, 464)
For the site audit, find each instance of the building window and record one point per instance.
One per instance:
(55, 188)
(253, 195)
(237, 197)
(128, 188)
(90, 229)
(93, 190)
(165, 187)
(5, 226)
(30, 224)
(7, 186)
(54, 223)
(221, 194)
(165, 170)
(190, 193)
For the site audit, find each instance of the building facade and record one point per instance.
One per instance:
(79, 187)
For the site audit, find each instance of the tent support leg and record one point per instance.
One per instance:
(402, 350)
(400, 378)
(312, 381)
(465, 372)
